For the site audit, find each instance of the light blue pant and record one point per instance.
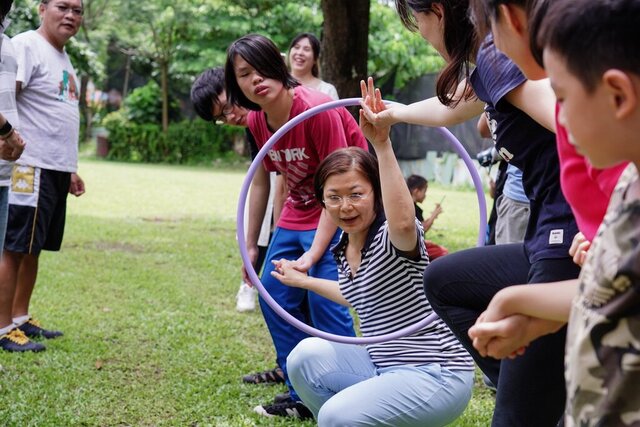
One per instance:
(342, 387)
(4, 213)
(305, 306)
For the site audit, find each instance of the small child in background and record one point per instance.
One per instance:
(418, 186)
(591, 56)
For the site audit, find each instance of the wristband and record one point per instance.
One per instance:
(6, 130)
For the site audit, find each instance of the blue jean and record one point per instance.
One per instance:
(342, 387)
(305, 306)
(4, 214)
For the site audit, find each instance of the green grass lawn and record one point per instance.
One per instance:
(144, 289)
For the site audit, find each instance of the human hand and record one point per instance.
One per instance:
(287, 273)
(579, 248)
(12, 147)
(252, 252)
(304, 263)
(374, 114)
(436, 211)
(76, 186)
(502, 338)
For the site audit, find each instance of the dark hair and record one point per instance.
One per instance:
(344, 160)
(482, 11)
(315, 47)
(263, 55)
(460, 40)
(536, 17)
(593, 36)
(206, 90)
(416, 182)
(5, 7)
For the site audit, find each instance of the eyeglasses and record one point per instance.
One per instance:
(222, 117)
(64, 9)
(335, 201)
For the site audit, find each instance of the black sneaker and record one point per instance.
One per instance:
(16, 340)
(274, 376)
(288, 408)
(32, 329)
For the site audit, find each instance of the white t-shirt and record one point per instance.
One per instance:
(47, 104)
(8, 70)
(328, 89)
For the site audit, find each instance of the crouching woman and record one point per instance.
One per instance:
(424, 379)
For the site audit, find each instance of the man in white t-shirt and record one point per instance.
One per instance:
(47, 99)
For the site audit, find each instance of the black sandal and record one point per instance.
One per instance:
(274, 376)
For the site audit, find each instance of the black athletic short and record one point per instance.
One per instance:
(37, 209)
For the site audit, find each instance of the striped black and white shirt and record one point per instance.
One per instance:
(387, 294)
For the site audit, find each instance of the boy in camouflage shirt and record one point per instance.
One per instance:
(593, 61)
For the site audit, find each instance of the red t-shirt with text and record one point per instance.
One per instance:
(299, 152)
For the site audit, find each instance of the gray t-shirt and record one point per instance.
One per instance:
(47, 104)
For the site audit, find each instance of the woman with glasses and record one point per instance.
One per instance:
(257, 79)
(424, 379)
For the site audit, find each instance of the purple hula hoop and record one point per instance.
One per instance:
(242, 240)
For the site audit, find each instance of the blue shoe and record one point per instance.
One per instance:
(16, 341)
(32, 329)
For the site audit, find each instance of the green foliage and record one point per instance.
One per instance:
(85, 59)
(186, 36)
(24, 16)
(144, 105)
(186, 142)
(394, 52)
(213, 25)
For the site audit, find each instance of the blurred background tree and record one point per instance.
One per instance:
(125, 44)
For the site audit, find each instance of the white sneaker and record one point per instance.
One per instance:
(246, 298)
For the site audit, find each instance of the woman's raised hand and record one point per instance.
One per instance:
(375, 117)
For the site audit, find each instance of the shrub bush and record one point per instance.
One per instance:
(144, 105)
(186, 142)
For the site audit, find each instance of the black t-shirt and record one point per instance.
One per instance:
(530, 147)
(419, 213)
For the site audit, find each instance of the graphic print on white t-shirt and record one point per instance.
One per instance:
(68, 87)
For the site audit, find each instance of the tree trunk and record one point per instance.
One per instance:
(345, 44)
(84, 108)
(164, 86)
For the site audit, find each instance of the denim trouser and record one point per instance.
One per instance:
(342, 387)
(305, 306)
(459, 286)
(4, 213)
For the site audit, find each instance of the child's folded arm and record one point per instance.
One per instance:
(550, 301)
